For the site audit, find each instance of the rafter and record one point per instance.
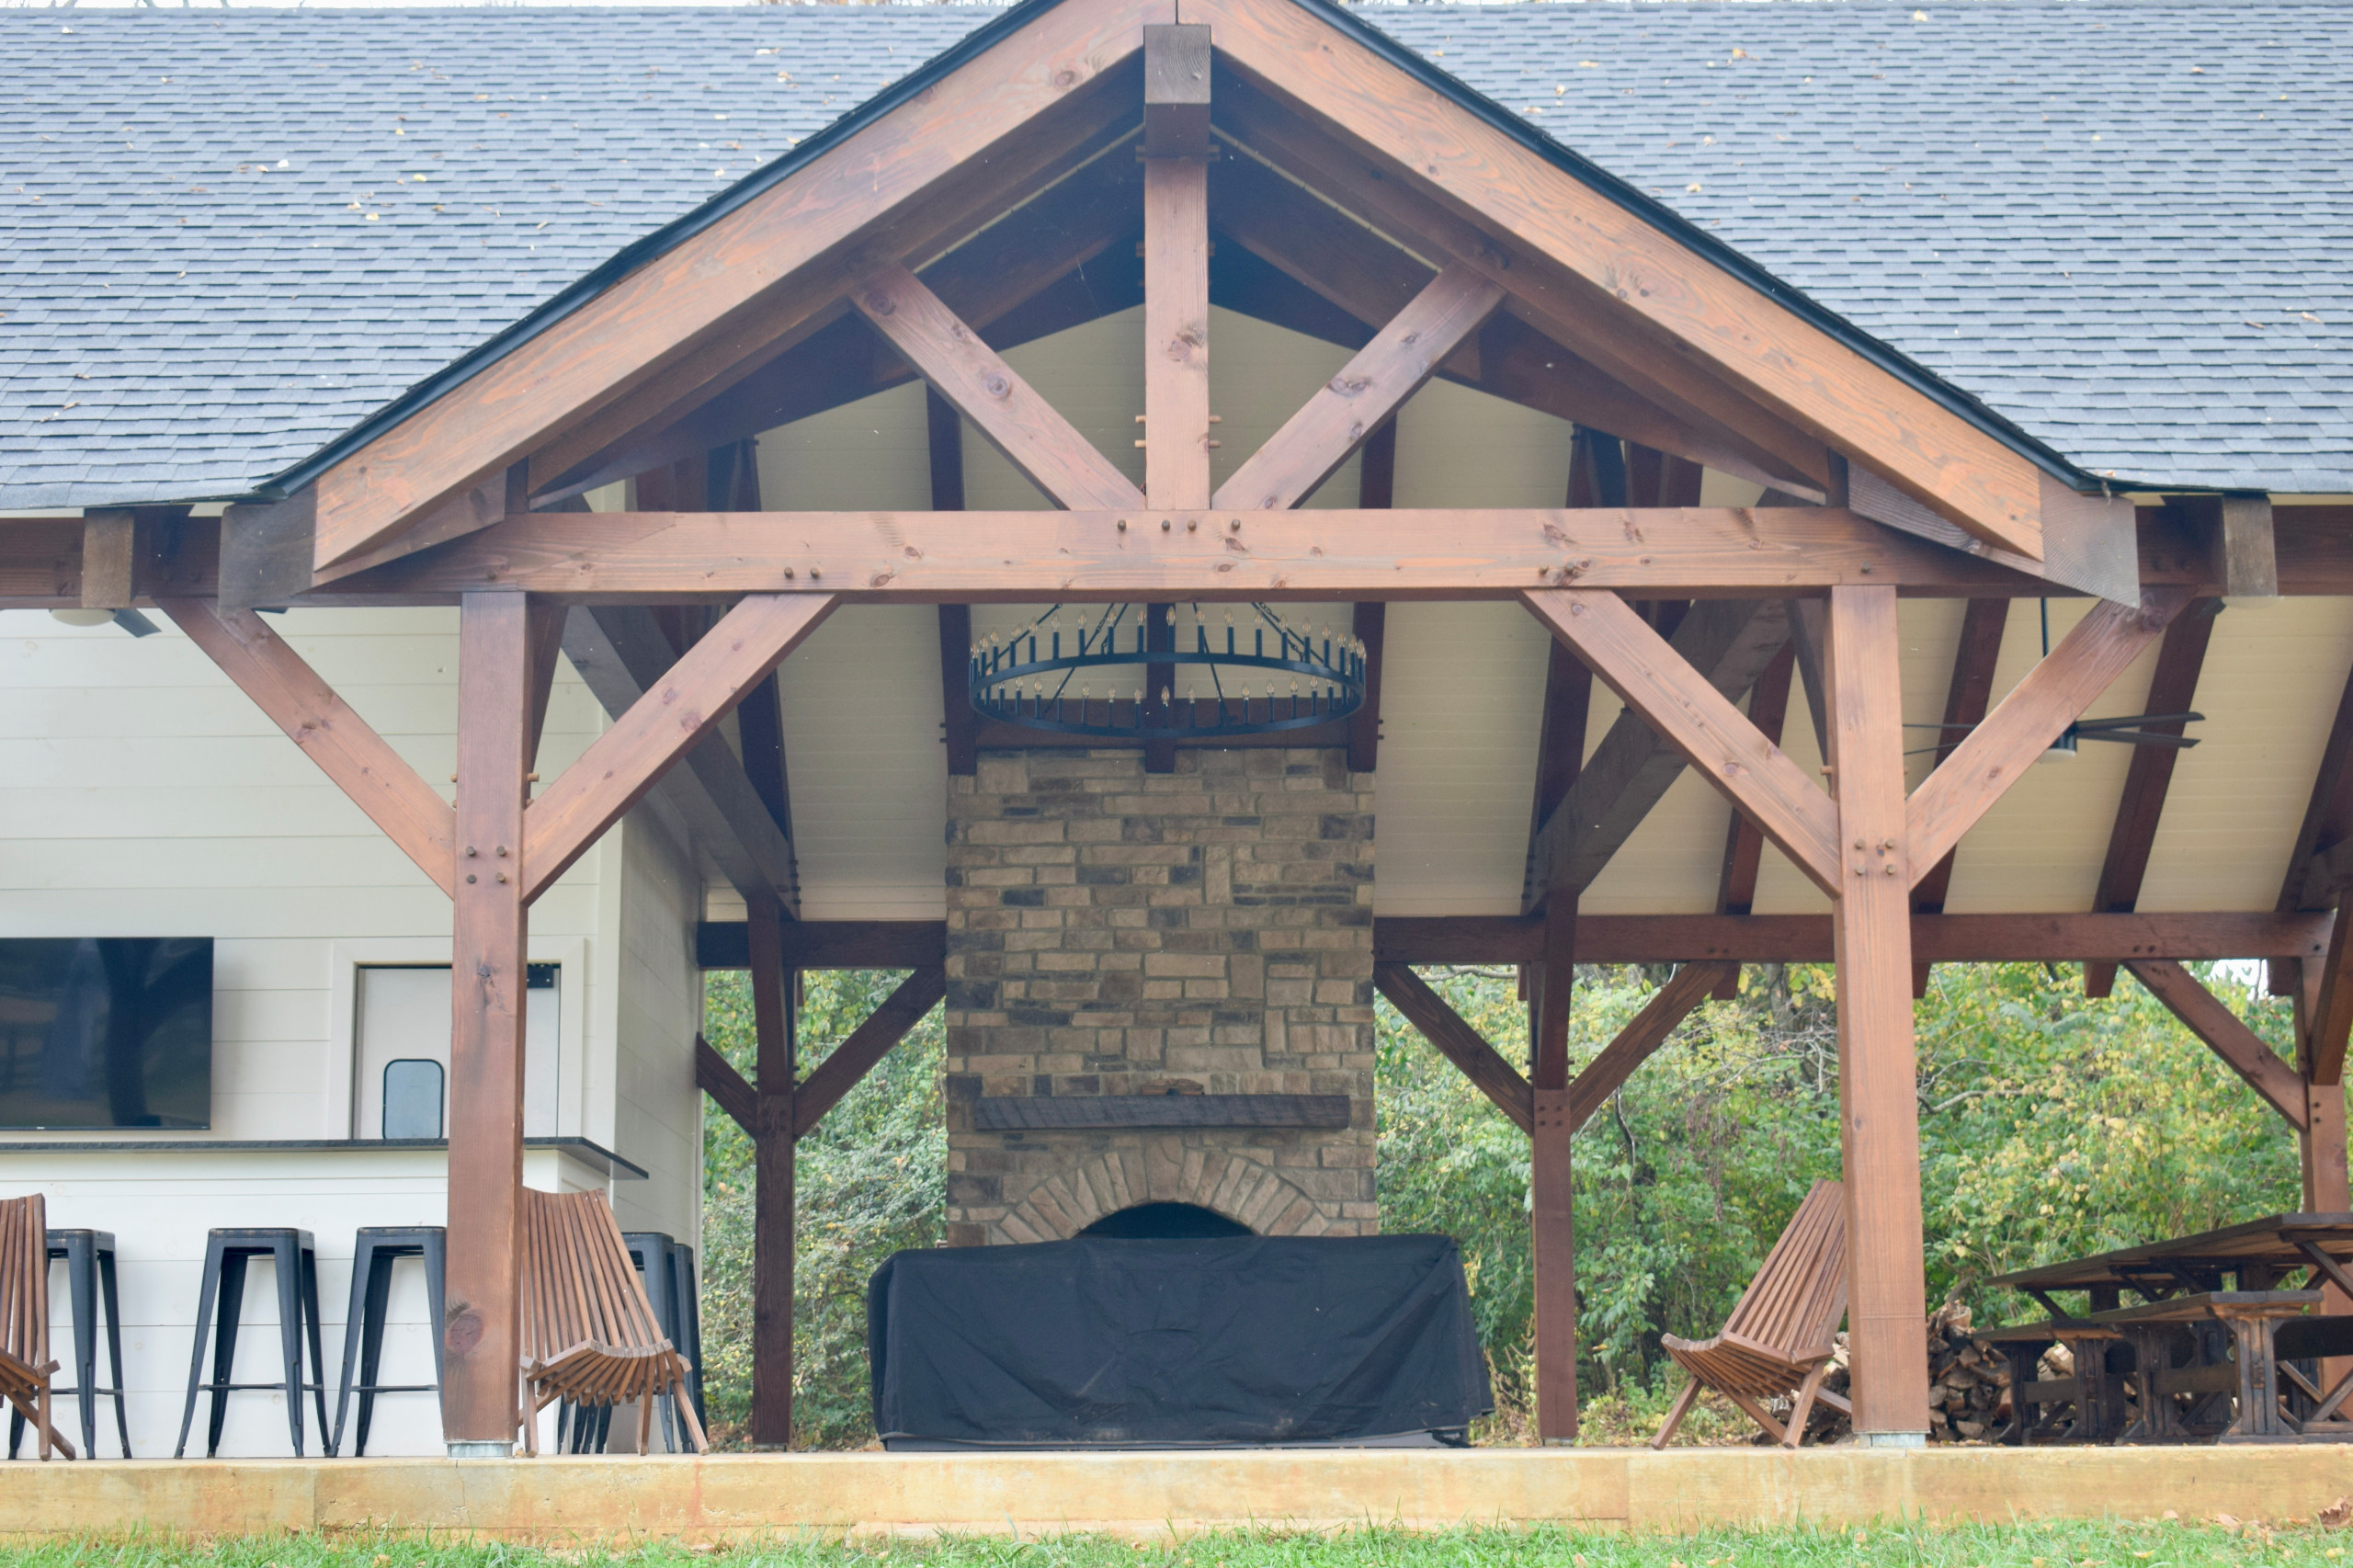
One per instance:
(1568, 250)
(1033, 436)
(933, 165)
(1349, 408)
(1722, 644)
(2053, 695)
(2181, 655)
(1969, 694)
(1694, 716)
(1019, 278)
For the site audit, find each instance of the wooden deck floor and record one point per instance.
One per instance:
(554, 1500)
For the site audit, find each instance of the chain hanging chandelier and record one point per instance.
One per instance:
(1118, 677)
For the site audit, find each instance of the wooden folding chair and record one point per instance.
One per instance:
(1778, 1338)
(589, 1334)
(25, 1364)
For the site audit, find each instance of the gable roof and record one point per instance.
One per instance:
(222, 350)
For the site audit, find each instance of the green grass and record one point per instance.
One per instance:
(2056, 1545)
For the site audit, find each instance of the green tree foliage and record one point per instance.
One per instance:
(870, 1180)
(2051, 1126)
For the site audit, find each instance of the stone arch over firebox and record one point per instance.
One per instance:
(1228, 1182)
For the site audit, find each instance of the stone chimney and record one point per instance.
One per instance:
(1159, 990)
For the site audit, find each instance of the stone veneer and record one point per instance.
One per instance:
(1109, 929)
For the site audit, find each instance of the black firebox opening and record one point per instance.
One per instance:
(1165, 1221)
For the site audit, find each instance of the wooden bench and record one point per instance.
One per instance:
(2091, 1397)
(2156, 1330)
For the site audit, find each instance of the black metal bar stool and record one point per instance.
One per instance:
(689, 1298)
(88, 1256)
(374, 1251)
(295, 1258)
(649, 1251)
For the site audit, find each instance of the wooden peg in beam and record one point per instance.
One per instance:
(1176, 91)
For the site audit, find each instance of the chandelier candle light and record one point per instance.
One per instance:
(1036, 676)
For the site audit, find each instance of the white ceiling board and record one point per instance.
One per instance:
(1462, 693)
(868, 773)
(2269, 689)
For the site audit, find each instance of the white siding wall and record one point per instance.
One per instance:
(142, 794)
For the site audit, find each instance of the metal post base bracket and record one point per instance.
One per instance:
(1890, 1439)
(480, 1448)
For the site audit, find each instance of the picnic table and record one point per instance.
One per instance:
(2215, 1322)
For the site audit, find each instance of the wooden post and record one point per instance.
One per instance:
(772, 1221)
(482, 1336)
(1552, 1208)
(1879, 1125)
(1177, 265)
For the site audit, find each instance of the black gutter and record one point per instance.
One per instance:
(1595, 177)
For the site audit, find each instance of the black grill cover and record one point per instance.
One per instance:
(1247, 1339)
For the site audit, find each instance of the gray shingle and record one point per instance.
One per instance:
(2077, 210)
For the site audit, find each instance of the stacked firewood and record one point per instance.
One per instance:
(1969, 1384)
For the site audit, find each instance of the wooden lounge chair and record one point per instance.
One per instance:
(1778, 1338)
(25, 1364)
(589, 1334)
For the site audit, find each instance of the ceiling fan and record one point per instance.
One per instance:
(2124, 727)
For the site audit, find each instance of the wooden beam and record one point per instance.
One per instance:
(774, 1106)
(717, 1077)
(2330, 1013)
(482, 1340)
(1807, 939)
(918, 169)
(1088, 556)
(1379, 192)
(1769, 706)
(1643, 1034)
(1878, 1083)
(1456, 1041)
(1038, 269)
(2237, 532)
(1966, 696)
(829, 944)
(362, 765)
(2327, 820)
(109, 556)
(1698, 719)
(1732, 642)
(266, 549)
(855, 1056)
(1560, 763)
(693, 696)
(2173, 688)
(1571, 251)
(1377, 477)
(960, 726)
(1176, 91)
(2242, 1049)
(621, 653)
(1033, 436)
(1349, 408)
(2053, 695)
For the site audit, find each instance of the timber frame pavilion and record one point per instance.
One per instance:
(966, 194)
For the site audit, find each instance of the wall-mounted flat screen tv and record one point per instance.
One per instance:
(106, 1031)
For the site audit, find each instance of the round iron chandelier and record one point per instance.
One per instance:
(1120, 676)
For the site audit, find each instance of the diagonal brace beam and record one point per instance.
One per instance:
(2053, 695)
(2241, 1049)
(716, 1076)
(1030, 431)
(359, 761)
(1698, 721)
(627, 760)
(1457, 1042)
(1645, 1033)
(1349, 408)
(886, 1026)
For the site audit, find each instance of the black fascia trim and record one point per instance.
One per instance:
(1600, 180)
(646, 248)
(1662, 217)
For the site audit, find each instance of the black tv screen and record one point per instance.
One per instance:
(106, 1031)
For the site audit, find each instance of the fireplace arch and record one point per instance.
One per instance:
(1230, 1184)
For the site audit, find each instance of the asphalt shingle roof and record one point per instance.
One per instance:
(226, 238)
